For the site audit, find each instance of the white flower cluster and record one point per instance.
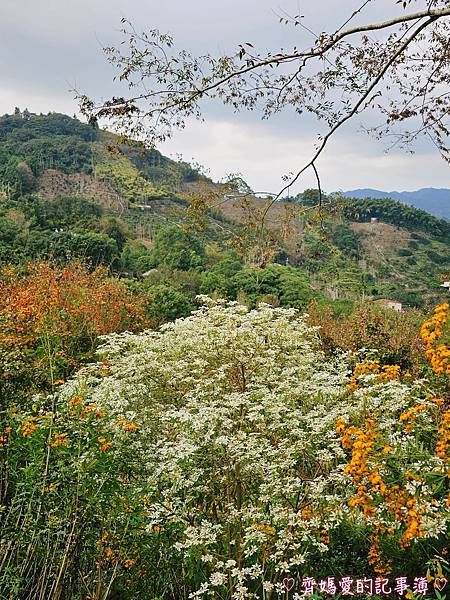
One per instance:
(244, 468)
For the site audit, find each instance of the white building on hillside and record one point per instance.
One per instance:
(397, 306)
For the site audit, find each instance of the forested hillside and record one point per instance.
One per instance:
(30, 145)
(434, 201)
(72, 191)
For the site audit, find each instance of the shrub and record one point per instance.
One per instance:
(173, 248)
(230, 452)
(394, 336)
(167, 304)
(51, 317)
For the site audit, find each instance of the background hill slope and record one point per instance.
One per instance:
(435, 201)
(69, 190)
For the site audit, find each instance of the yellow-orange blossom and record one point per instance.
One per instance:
(431, 331)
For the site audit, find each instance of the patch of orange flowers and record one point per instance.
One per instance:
(106, 551)
(28, 427)
(385, 373)
(76, 401)
(104, 445)
(60, 439)
(129, 562)
(132, 427)
(389, 373)
(4, 436)
(443, 443)
(363, 445)
(431, 331)
(409, 416)
(71, 305)
(365, 474)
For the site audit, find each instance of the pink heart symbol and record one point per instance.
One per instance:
(440, 583)
(288, 583)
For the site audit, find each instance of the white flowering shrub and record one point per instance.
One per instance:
(253, 460)
(246, 480)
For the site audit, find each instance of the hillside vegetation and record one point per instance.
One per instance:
(434, 200)
(181, 419)
(31, 144)
(73, 191)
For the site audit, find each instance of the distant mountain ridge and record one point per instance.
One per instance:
(434, 200)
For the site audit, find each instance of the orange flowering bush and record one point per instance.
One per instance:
(4, 436)
(432, 332)
(51, 317)
(394, 500)
(71, 474)
(68, 303)
(443, 443)
(383, 373)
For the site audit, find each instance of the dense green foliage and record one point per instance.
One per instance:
(24, 126)
(30, 144)
(384, 209)
(41, 142)
(333, 259)
(162, 171)
(396, 213)
(176, 250)
(33, 228)
(118, 170)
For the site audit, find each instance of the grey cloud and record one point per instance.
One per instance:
(49, 46)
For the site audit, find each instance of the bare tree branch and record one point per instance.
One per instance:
(352, 112)
(284, 58)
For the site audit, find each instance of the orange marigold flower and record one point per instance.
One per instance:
(28, 427)
(130, 427)
(4, 436)
(340, 425)
(130, 562)
(409, 416)
(365, 368)
(443, 443)
(438, 401)
(76, 401)
(59, 440)
(437, 353)
(390, 372)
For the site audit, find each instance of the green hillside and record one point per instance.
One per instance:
(32, 144)
(380, 248)
(69, 190)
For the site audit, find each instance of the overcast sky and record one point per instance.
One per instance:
(48, 47)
